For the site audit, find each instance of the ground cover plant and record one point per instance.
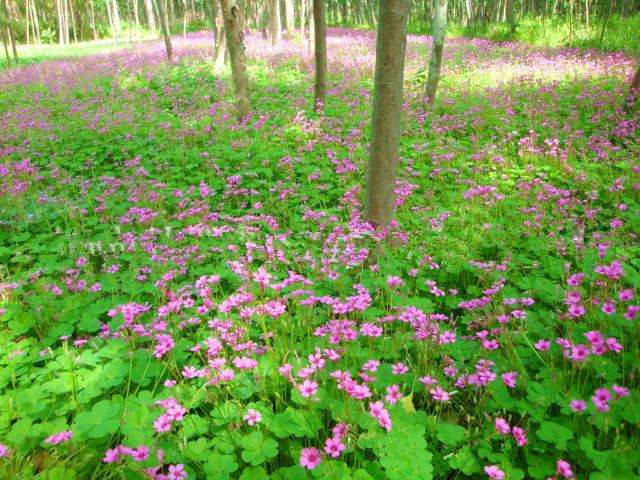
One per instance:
(184, 295)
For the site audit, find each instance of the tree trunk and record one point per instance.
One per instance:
(511, 16)
(320, 52)
(35, 22)
(439, 26)
(275, 26)
(26, 18)
(92, 20)
(164, 26)
(289, 17)
(184, 18)
(220, 38)
(235, 44)
(151, 20)
(8, 35)
(634, 90)
(73, 21)
(5, 41)
(469, 11)
(387, 108)
(312, 28)
(303, 15)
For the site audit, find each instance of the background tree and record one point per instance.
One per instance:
(288, 17)
(164, 26)
(320, 54)
(391, 44)
(435, 64)
(634, 90)
(274, 22)
(235, 44)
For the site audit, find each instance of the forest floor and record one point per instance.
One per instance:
(184, 294)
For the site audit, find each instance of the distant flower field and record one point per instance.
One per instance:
(186, 296)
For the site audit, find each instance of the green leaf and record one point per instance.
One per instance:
(219, 467)
(258, 449)
(554, 433)
(450, 434)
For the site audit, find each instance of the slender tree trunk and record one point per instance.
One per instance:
(136, 14)
(9, 29)
(387, 108)
(312, 28)
(586, 12)
(439, 26)
(5, 41)
(184, 18)
(289, 17)
(35, 22)
(92, 20)
(73, 21)
(469, 10)
(511, 16)
(320, 53)
(151, 20)
(164, 26)
(303, 16)
(276, 29)
(26, 18)
(235, 44)
(220, 37)
(634, 90)
(116, 17)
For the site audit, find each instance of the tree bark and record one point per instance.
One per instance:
(151, 20)
(634, 90)
(9, 29)
(275, 25)
(320, 53)
(3, 37)
(235, 44)
(289, 17)
(387, 108)
(220, 37)
(439, 26)
(164, 26)
(312, 28)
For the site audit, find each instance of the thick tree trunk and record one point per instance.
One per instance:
(151, 20)
(164, 26)
(387, 108)
(235, 44)
(35, 22)
(73, 21)
(320, 53)
(289, 17)
(439, 26)
(275, 24)
(469, 10)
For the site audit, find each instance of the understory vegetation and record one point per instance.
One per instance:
(183, 294)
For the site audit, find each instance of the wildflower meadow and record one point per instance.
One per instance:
(189, 295)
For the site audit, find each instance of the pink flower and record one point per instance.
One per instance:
(308, 388)
(502, 426)
(275, 308)
(542, 345)
(494, 472)
(620, 391)
(310, 458)
(176, 472)
(393, 281)
(399, 368)
(509, 379)
(578, 405)
(334, 446)
(439, 395)
(252, 417)
(625, 295)
(520, 436)
(393, 394)
(563, 468)
(59, 437)
(609, 307)
(4, 450)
